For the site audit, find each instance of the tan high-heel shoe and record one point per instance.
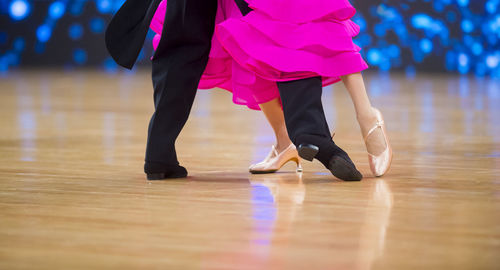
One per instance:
(274, 161)
(379, 164)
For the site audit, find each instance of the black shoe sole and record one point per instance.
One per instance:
(339, 167)
(308, 151)
(344, 170)
(162, 176)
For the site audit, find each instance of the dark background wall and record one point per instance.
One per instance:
(410, 35)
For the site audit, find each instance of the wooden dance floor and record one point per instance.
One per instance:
(73, 194)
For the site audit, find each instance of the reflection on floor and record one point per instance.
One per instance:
(73, 195)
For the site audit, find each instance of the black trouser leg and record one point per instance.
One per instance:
(178, 64)
(303, 108)
(304, 115)
(308, 129)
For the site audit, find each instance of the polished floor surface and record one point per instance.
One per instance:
(73, 195)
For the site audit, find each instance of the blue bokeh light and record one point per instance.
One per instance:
(463, 3)
(19, 9)
(75, 31)
(104, 6)
(80, 56)
(463, 63)
(43, 33)
(421, 21)
(491, 6)
(492, 61)
(426, 45)
(76, 7)
(57, 9)
(97, 25)
(467, 26)
(477, 48)
(374, 57)
(393, 51)
(19, 44)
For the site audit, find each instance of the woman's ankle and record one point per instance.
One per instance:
(282, 140)
(366, 121)
(282, 144)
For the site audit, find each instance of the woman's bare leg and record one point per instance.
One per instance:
(364, 113)
(274, 114)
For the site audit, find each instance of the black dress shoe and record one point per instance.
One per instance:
(344, 169)
(340, 165)
(329, 154)
(175, 172)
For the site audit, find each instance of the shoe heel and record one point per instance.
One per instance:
(299, 168)
(308, 151)
(299, 165)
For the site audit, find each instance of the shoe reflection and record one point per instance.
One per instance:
(279, 201)
(276, 199)
(373, 230)
(284, 187)
(282, 221)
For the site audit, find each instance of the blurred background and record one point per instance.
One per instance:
(74, 127)
(457, 36)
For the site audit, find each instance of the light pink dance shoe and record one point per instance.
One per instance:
(274, 161)
(379, 164)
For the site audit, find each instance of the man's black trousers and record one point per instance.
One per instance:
(178, 64)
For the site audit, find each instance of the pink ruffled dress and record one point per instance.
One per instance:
(280, 40)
